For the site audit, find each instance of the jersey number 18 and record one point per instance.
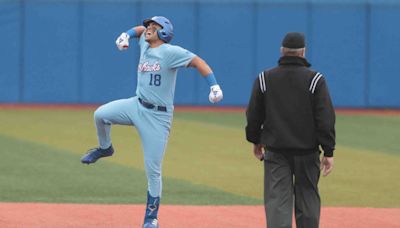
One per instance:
(155, 79)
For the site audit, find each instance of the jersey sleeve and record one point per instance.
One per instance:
(324, 116)
(179, 57)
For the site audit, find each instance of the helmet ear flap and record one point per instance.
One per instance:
(161, 34)
(164, 35)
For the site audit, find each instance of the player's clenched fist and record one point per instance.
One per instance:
(215, 94)
(122, 41)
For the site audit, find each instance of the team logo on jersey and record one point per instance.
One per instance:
(147, 67)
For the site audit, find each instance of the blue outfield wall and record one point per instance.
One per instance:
(10, 52)
(64, 51)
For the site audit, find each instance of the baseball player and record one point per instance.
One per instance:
(151, 110)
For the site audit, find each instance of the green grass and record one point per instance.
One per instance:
(36, 173)
(208, 161)
(373, 133)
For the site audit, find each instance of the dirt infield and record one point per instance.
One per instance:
(35, 215)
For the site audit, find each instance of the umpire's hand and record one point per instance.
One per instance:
(258, 150)
(326, 165)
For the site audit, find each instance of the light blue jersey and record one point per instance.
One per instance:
(157, 69)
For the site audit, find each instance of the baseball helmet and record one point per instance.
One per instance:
(167, 32)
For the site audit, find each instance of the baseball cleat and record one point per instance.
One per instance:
(94, 154)
(151, 223)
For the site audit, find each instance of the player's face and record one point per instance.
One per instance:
(151, 32)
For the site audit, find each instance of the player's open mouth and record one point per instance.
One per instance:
(150, 31)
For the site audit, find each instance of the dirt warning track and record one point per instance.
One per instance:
(43, 215)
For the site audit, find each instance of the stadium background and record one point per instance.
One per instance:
(64, 51)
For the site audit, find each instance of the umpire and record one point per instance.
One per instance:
(290, 116)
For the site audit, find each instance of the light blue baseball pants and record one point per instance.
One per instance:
(153, 127)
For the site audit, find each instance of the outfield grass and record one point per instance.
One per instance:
(208, 161)
(38, 173)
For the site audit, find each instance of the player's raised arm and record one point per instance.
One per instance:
(122, 41)
(205, 70)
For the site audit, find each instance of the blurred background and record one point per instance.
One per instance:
(63, 51)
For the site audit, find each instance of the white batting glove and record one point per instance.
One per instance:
(122, 41)
(215, 94)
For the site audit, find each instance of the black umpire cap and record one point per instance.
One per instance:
(294, 40)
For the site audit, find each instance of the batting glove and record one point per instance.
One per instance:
(215, 94)
(122, 41)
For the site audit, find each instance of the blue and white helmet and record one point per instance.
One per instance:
(167, 32)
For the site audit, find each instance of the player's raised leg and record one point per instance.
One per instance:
(115, 112)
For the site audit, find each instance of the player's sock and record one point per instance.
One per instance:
(153, 203)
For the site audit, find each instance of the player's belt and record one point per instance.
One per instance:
(152, 106)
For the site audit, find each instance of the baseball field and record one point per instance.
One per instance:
(211, 178)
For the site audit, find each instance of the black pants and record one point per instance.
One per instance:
(288, 176)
